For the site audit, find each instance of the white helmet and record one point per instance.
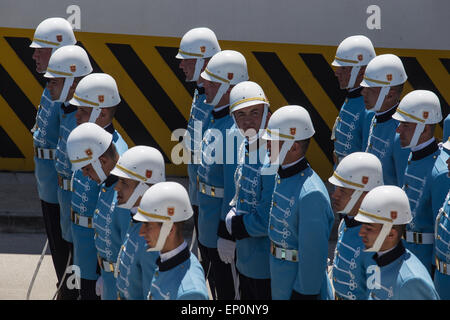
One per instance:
(227, 67)
(388, 205)
(354, 51)
(143, 164)
(384, 71)
(198, 43)
(289, 124)
(165, 202)
(85, 144)
(246, 94)
(97, 90)
(68, 62)
(421, 107)
(360, 171)
(53, 33)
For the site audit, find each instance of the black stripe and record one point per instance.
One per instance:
(446, 64)
(420, 81)
(126, 117)
(148, 85)
(294, 95)
(324, 74)
(168, 54)
(9, 148)
(21, 47)
(17, 100)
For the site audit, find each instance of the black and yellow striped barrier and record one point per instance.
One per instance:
(156, 99)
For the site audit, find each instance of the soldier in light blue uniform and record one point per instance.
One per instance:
(247, 221)
(301, 217)
(179, 276)
(216, 170)
(442, 235)
(383, 84)
(197, 46)
(97, 98)
(354, 177)
(52, 33)
(138, 168)
(425, 182)
(398, 273)
(351, 128)
(91, 149)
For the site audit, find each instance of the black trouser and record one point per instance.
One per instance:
(254, 289)
(195, 209)
(218, 273)
(87, 290)
(68, 290)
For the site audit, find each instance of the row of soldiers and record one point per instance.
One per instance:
(263, 219)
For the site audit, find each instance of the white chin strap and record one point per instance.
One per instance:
(383, 93)
(65, 90)
(353, 76)
(137, 192)
(381, 237)
(415, 138)
(273, 168)
(351, 203)
(94, 114)
(220, 92)
(198, 69)
(99, 171)
(163, 234)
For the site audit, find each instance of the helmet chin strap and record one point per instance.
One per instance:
(198, 69)
(351, 202)
(65, 90)
(94, 114)
(163, 234)
(273, 168)
(220, 92)
(353, 75)
(98, 169)
(383, 93)
(137, 192)
(381, 237)
(420, 127)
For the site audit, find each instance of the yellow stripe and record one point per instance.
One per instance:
(190, 54)
(410, 115)
(81, 160)
(280, 135)
(152, 215)
(376, 81)
(46, 42)
(84, 100)
(131, 172)
(247, 100)
(60, 72)
(370, 215)
(345, 60)
(346, 181)
(217, 77)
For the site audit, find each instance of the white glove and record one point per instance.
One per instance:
(226, 249)
(229, 217)
(99, 286)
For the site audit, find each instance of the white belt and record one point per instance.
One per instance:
(419, 238)
(283, 254)
(210, 190)
(47, 154)
(80, 220)
(105, 265)
(442, 267)
(64, 183)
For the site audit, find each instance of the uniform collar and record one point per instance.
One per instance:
(293, 170)
(69, 108)
(111, 180)
(174, 261)
(109, 128)
(351, 222)
(390, 256)
(426, 151)
(387, 115)
(354, 93)
(221, 113)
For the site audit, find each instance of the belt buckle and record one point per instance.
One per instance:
(111, 267)
(213, 191)
(203, 188)
(283, 253)
(89, 222)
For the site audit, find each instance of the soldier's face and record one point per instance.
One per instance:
(370, 95)
(188, 67)
(211, 89)
(369, 233)
(249, 119)
(55, 86)
(406, 132)
(125, 188)
(41, 56)
(343, 76)
(83, 114)
(88, 171)
(340, 198)
(150, 232)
